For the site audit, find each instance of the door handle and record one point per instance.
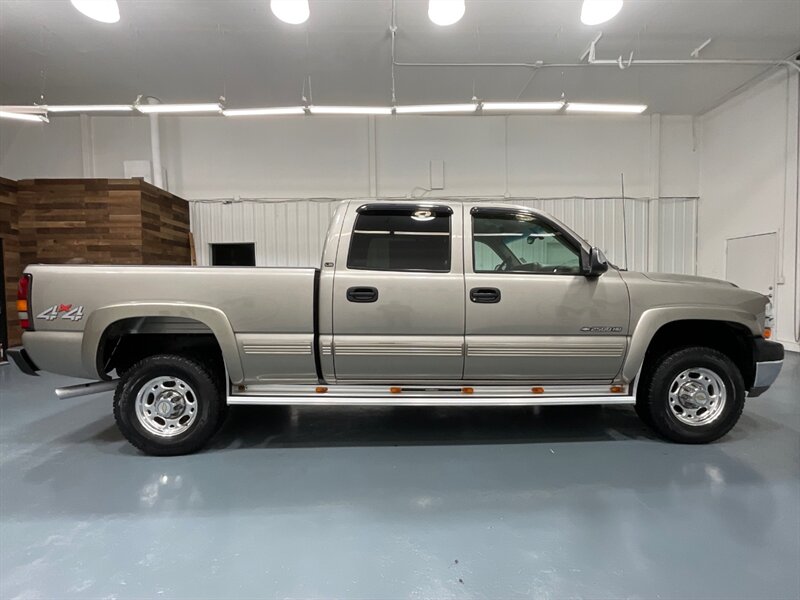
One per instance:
(362, 294)
(484, 295)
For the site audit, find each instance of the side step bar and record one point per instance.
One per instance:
(377, 395)
(86, 389)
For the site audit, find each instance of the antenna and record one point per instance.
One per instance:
(624, 222)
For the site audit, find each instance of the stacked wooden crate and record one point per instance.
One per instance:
(102, 221)
(9, 232)
(165, 228)
(99, 221)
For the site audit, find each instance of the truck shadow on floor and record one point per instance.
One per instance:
(291, 427)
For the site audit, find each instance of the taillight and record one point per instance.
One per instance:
(24, 302)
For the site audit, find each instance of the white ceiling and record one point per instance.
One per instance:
(196, 51)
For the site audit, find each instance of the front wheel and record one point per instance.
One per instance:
(167, 405)
(695, 396)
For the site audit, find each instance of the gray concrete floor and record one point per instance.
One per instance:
(398, 503)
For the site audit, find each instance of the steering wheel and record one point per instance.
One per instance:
(504, 265)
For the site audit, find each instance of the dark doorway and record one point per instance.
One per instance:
(233, 255)
(3, 306)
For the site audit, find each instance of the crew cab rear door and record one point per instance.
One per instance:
(530, 313)
(398, 294)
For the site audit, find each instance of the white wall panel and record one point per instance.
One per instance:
(750, 174)
(291, 233)
(677, 248)
(286, 234)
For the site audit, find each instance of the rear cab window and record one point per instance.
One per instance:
(394, 237)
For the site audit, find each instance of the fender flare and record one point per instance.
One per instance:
(654, 319)
(213, 318)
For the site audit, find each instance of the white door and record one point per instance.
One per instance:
(750, 262)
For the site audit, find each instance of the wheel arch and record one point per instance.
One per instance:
(664, 325)
(207, 319)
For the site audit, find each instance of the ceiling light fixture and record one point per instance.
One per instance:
(263, 112)
(17, 116)
(606, 108)
(178, 108)
(80, 108)
(421, 109)
(350, 110)
(105, 11)
(293, 12)
(446, 12)
(522, 106)
(594, 12)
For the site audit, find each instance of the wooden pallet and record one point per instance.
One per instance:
(9, 231)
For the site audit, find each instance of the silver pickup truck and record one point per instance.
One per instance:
(414, 303)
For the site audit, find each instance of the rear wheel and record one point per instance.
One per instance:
(694, 396)
(167, 405)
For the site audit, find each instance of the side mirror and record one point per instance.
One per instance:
(593, 263)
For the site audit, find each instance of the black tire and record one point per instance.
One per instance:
(654, 405)
(206, 399)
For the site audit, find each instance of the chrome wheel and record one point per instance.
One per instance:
(166, 406)
(697, 396)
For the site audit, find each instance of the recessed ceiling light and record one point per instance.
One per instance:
(64, 108)
(17, 116)
(261, 112)
(105, 11)
(606, 108)
(446, 12)
(435, 108)
(178, 108)
(522, 106)
(594, 12)
(350, 110)
(293, 12)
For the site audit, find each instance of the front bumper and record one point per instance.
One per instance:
(20, 357)
(768, 360)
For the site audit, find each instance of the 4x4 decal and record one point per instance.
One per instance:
(64, 311)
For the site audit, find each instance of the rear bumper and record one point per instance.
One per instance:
(768, 360)
(20, 357)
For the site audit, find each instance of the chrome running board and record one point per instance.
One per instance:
(480, 395)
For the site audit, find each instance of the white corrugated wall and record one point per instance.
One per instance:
(291, 232)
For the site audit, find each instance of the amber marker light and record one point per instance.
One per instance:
(395, 390)
(321, 389)
(767, 332)
(537, 390)
(467, 390)
(616, 389)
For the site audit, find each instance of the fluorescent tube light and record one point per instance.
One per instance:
(105, 11)
(293, 12)
(35, 118)
(178, 108)
(594, 12)
(64, 108)
(435, 108)
(350, 110)
(258, 112)
(30, 109)
(606, 108)
(446, 12)
(512, 106)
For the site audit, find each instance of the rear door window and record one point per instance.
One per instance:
(400, 238)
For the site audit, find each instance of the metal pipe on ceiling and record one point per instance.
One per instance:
(611, 63)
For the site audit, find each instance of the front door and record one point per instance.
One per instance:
(530, 313)
(398, 294)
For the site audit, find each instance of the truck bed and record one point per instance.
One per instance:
(263, 317)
